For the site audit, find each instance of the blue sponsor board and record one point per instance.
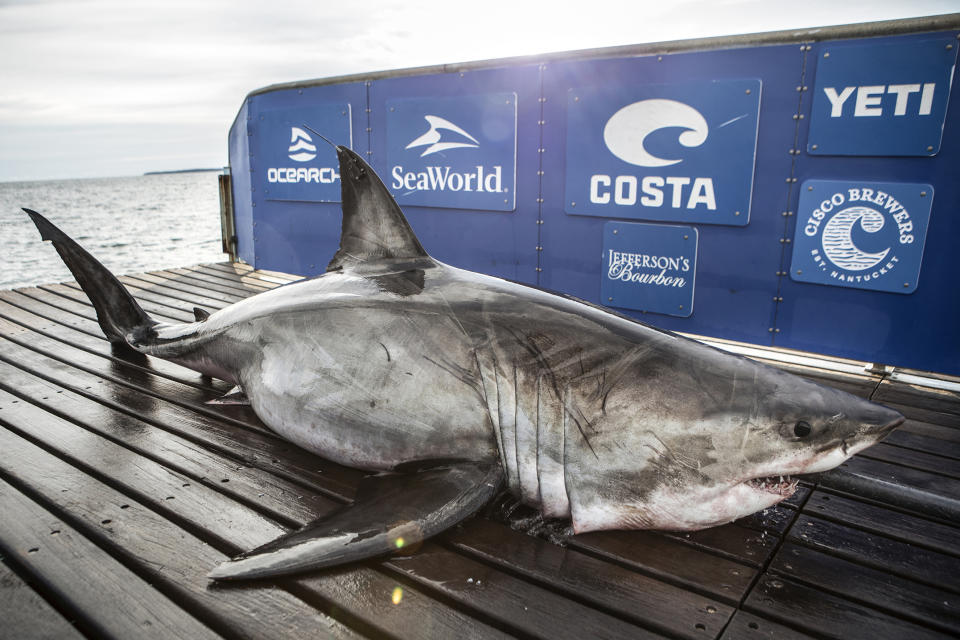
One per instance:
(862, 235)
(453, 152)
(649, 267)
(680, 152)
(881, 99)
(293, 162)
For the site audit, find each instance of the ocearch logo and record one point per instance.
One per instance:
(626, 131)
(301, 148)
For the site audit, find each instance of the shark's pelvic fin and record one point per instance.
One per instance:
(374, 228)
(391, 511)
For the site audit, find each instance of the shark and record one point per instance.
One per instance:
(450, 386)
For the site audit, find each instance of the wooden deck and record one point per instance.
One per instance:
(120, 489)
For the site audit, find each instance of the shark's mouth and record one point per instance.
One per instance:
(781, 485)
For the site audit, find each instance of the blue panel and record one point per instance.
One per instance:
(293, 164)
(917, 330)
(862, 235)
(885, 97)
(649, 267)
(297, 236)
(681, 152)
(501, 244)
(737, 267)
(453, 152)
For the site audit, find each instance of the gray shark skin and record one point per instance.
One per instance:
(458, 383)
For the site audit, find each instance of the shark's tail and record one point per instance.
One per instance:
(120, 317)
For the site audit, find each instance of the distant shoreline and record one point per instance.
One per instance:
(160, 173)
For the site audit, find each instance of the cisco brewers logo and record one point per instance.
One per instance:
(861, 235)
(625, 135)
(301, 149)
(444, 135)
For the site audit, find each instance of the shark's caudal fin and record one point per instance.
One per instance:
(374, 228)
(120, 317)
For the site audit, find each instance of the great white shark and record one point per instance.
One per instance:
(452, 384)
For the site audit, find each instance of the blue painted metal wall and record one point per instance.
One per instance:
(742, 290)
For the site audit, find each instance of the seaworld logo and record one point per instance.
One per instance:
(436, 178)
(862, 212)
(433, 137)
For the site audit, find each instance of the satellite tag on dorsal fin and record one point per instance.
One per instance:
(374, 228)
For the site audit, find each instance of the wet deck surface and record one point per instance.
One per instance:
(120, 489)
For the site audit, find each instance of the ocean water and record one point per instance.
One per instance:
(131, 224)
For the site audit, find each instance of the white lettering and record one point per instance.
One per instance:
(836, 101)
(867, 100)
(902, 91)
(595, 196)
(625, 190)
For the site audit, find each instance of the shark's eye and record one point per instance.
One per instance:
(801, 429)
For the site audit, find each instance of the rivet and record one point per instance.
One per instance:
(799, 271)
(923, 194)
(796, 116)
(300, 91)
(392, 109)
(776, 330)
(949, 46)
(610, 299)
(801, 116)
(736, 213)
(814, 146)
(906, 284)
(659, 58)
(573, 204)
(748, 91)
(826, 54)
(616, 231)
(799, 88)
(681, 306)
(930, 147)
(809, 46)
(770, 329)
(576, 98)
(685, 237)
(809, 188)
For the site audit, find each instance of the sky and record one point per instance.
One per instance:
(98, 88)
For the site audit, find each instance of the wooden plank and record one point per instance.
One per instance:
(876, 519)
(909, 439)
(919, 603)
(26, 615)
(250, 448)
(514, 603)
(170, 295)
(746, 626)
(158, 306)
(206, 282)
(939, 400)
(99, 346)
(110, 600)
(939, 432)
(670, 560)
(182, 288)
(252, 284)
(733, 541)
(819, 613)
(874, 550)
(920, 460)
(70, 300)
(648, 602)
(275, 277)
(929, 494)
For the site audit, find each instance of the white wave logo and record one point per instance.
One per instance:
(433, 137)
(838, 242)
(627, 129)
(301, 148)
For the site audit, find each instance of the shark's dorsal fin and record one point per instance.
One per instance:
(374, 228)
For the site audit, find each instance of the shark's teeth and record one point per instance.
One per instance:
(783, 485)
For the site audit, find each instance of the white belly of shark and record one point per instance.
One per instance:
(460, 385)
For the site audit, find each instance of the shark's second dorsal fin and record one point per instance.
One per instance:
(374, 228)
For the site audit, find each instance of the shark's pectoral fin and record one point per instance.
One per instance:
(235, 396)
(391, 511)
